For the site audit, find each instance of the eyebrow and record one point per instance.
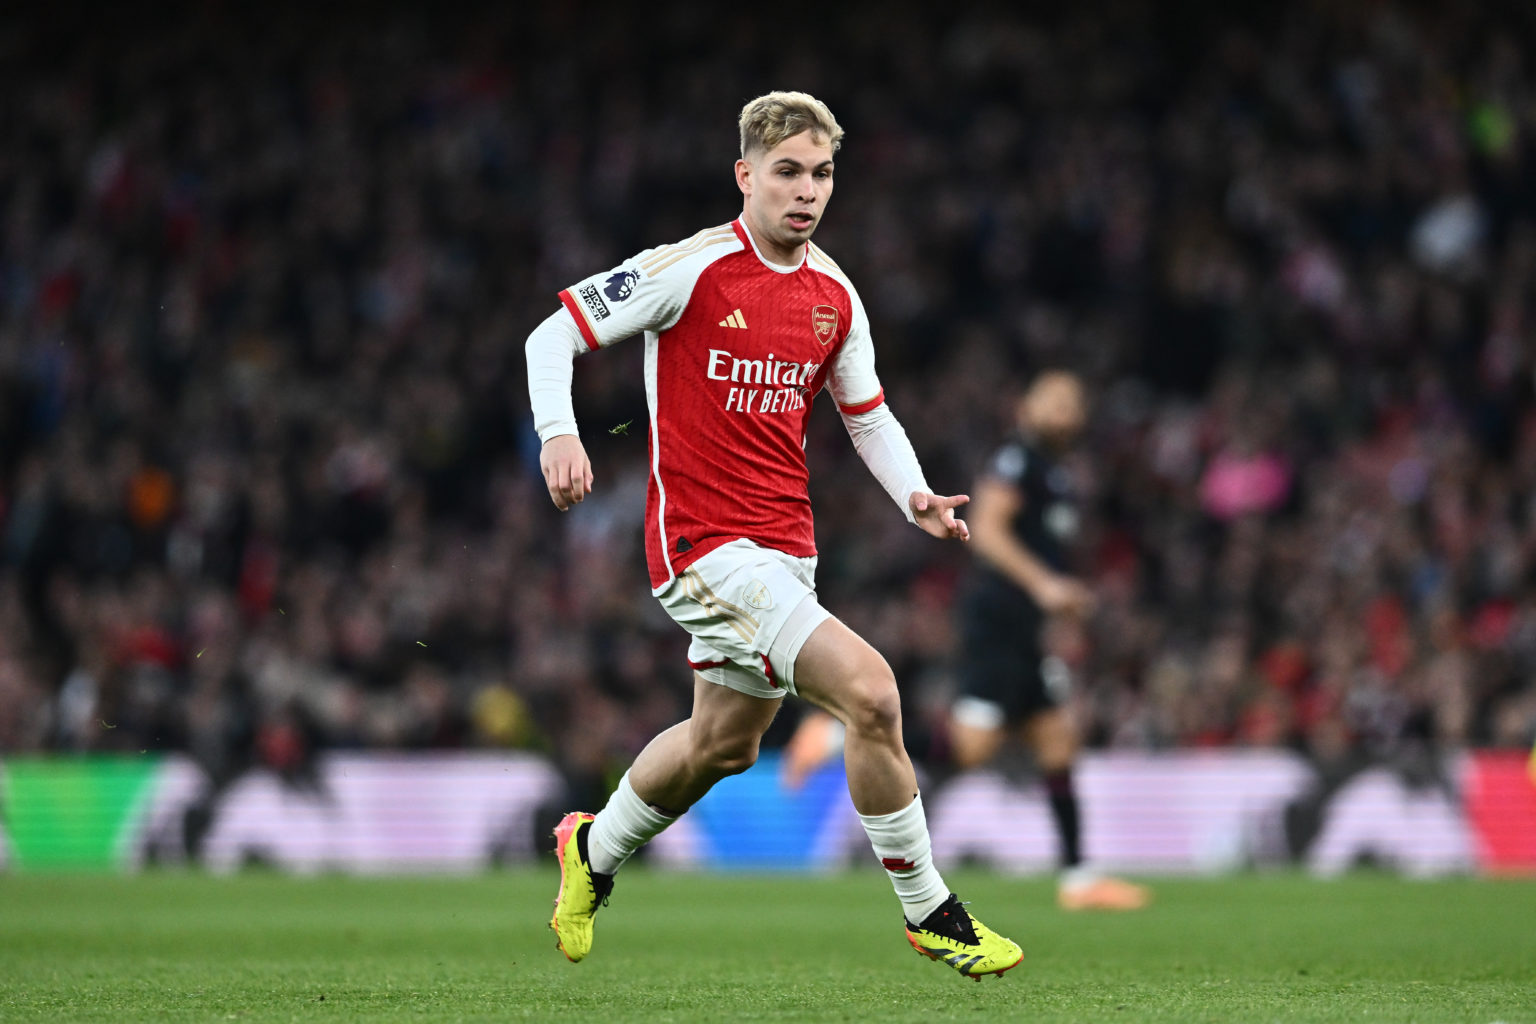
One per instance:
(791, 162)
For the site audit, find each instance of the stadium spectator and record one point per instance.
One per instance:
(262, 280)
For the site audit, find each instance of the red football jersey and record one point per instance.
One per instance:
(735, 349)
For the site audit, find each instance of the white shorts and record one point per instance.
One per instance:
(749, 609)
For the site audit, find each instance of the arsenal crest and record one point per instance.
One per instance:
(824, 322)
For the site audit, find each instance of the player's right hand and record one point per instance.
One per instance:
(567, 470)
(1063, 595)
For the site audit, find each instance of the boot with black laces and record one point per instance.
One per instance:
(952, 936)
(582, 890)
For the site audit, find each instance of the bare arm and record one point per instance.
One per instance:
(996, 504)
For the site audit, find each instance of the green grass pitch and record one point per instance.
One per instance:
(185, 947)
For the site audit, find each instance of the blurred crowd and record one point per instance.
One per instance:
(268, 482)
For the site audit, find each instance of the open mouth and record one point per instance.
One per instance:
(801, 221)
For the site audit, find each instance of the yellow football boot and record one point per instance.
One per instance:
(952, 936)
(582, 890)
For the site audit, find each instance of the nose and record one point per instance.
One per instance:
(807, 190)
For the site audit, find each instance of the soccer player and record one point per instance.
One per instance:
(1022, 522)
(744, 324)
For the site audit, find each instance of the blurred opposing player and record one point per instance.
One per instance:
(744, 324)
(1022, 521)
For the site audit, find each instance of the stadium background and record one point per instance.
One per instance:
(269, 491)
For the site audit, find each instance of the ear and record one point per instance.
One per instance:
(744, 177)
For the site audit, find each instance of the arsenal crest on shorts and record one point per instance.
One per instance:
(824, 322)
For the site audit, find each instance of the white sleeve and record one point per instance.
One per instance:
(647, 292)
(549, 351)
(881, 442)
(852, 378)
(877, 435)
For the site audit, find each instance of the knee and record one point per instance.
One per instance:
(970, 747)
(1055, 741)
(1056, 757)
(728, 755)
(873, 705)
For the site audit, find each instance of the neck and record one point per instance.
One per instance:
(1055, 444)
(777, 254)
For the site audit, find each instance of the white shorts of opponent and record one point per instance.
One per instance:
(749, 609)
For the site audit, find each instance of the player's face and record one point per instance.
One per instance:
(786, 190)
(1055, 409)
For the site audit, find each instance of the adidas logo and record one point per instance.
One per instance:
(735, 320)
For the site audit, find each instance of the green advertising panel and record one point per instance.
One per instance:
(74, 813)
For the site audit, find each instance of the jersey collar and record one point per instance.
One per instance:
(740, 224)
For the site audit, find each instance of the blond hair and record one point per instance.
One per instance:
(776, 116)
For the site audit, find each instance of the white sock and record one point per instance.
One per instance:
(902, 844)
(621, 828)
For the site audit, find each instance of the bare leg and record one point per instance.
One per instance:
(842, 673)
(1052, 735)
(720, 738)
(973, 746)
(846, 676)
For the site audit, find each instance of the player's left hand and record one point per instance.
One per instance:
(936, 514)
